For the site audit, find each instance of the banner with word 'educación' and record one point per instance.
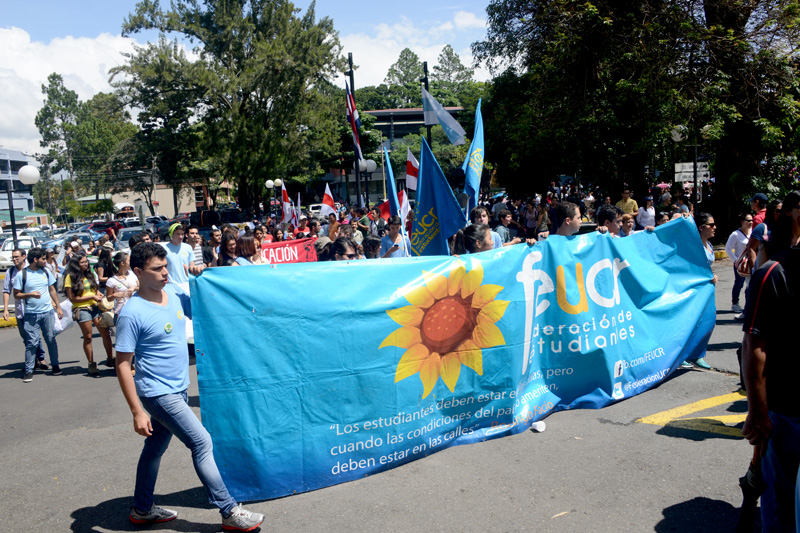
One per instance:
(313, 374)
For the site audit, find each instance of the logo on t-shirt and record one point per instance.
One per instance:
(180, 315)
(168, 327)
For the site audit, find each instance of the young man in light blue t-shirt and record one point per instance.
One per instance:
(180, 256)
(152, 325)
(35, 286)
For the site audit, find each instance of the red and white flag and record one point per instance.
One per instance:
(328, 206)
(405, 207)
(286, 203)
(296, 213)
(412, 171)
(402, 199)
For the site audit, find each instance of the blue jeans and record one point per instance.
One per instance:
(779, 468)
(170, 414)
(31, 324)
(39, 349)
(738, 283)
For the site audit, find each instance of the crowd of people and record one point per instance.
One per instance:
(102, 297)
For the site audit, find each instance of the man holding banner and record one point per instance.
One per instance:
(152, 326)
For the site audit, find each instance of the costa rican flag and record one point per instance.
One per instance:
(412, 170)
(355, 122)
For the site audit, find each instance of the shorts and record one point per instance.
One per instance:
(87, 314)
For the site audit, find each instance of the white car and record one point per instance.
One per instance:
(23, 243)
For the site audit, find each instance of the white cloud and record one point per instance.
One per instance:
(465, 19)
(84, 64)
(25, 66)
(376, 51)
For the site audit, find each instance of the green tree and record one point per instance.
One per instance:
(259, 73)
(404, 79)
(449, 68)
(102, 124)
(594, 89)
(377, 97)
(57, 120)
(158, 80)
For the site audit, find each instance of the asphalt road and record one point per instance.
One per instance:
(69, 455)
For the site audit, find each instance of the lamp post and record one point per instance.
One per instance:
(270, 185)
(366, 167)
(28, 175)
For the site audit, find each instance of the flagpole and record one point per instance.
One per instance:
(424, 79)
(356, 164)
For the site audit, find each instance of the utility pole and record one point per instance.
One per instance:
(424, 80)
(357, 161)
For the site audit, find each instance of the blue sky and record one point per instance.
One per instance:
(80, 39)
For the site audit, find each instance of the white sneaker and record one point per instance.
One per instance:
(739, 316)
(736, 308)
(242, 520)
(153, 516)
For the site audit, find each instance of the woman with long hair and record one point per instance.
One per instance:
(227, 250)
(246, 253)
(473, 239)
(104, 267)
(121, 286)
(735, 247)
(84, 293)
(707, 228)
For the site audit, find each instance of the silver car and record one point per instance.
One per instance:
(23, 243)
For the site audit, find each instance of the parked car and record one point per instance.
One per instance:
(125, 235)
(101, 227)
(23, 243)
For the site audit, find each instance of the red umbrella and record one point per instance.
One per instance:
(663, 185)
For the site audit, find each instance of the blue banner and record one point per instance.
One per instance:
(312, 374)
(473, 166)
(437, 215)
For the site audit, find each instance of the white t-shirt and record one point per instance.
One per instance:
(122, 284)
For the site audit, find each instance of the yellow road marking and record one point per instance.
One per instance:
(721, 424)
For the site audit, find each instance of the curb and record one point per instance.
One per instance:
(8, 323)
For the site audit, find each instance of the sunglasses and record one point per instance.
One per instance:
(712, 225)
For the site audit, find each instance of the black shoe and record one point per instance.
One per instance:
(28, 377)
(56, 370)
(41, 365)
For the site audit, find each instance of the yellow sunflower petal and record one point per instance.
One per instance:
(429, 373)
(419, 296)
(450, 369)
(405, 337)
(411, 362)
(493, 311)
(409, 315)
(485, 294)
(455, 278)
(471, 355)
(473, 279)
(487, 335)
(436, 283)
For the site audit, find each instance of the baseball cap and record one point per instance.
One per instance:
(761, 197)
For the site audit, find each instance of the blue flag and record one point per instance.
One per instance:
(434, 113)
(473, 166)
(394, 204)
(437, 215)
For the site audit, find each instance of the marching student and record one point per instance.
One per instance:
(152, 326)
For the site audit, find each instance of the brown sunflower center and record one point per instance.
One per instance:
(448, 323)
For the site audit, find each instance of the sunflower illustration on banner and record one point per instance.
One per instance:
(449, 321)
